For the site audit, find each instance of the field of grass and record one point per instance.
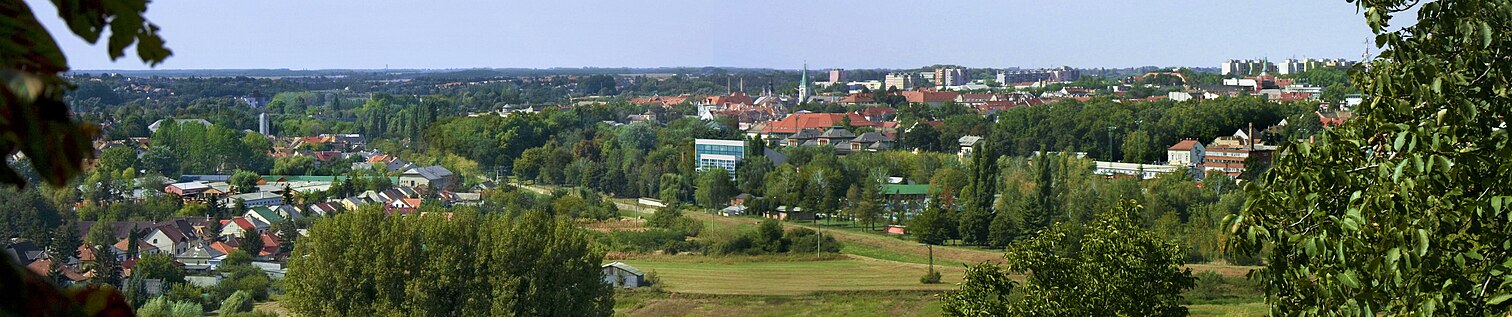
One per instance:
(887, 303)
(877, 275)
(788, 275)
(1257, 308)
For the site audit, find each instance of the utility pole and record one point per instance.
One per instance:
(931, 258)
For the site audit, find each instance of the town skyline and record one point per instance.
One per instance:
(782, 35)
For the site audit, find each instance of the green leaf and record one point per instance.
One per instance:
(1486, 34)
(1422, 242)
(1348, 278)
(1499, 299)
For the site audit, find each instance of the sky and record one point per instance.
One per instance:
(782, 34)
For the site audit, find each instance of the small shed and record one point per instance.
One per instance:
(623, 275)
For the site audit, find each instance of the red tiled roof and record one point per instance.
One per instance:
(929, 96)
(734, 98)
(243, 223)
(270, 244)
(858, 98)
(1184, 145)
(222, 247)
(877, 111)
(799, 121)
(326, 156)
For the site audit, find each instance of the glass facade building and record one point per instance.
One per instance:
(724, 154)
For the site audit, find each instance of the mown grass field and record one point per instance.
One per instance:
(889, 303)
(789, 275)
(878, 275)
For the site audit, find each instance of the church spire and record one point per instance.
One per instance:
(803, 91)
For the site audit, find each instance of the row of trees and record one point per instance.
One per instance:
(458, 263)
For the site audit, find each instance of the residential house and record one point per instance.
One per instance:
(236, 227)
(24, 251)
(352, 203)
(462, 199)
(435, 178)
(968, 144)
(796, 122)
(72, 275)
(270, 244)
(403, 206)
(264, 214)
(169, 238)
(870, 141)
(288, 212)
(802, 138)
(1187, 153)
(324, 209)
(933, 98)
(877, 114)
(200, 258)
(734, 98)
(856, 99)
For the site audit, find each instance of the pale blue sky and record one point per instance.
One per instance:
(325, 34)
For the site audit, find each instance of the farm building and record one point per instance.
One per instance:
(623, 275)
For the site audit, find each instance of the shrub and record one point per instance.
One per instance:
(654, 281)
(241, 301)
(932, 277)
(257, 313)
(162, 307)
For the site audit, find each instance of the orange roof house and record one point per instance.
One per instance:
(857, 98)
(734, 98)
(799, 121)
(929, 97)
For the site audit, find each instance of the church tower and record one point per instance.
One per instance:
(803, 85)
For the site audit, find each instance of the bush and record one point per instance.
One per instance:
(932, 277)
(258, 313)
(671, 218)
(803, 241)
(184, 292)
(1212, 286)
(241, 301)
(739, 244)
(243, 277)
(650, 241)
(162, 307)
(769, 238)
(654, 281)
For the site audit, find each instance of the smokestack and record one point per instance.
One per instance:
(1251, 140)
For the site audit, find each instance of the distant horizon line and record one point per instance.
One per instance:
(420, 69)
